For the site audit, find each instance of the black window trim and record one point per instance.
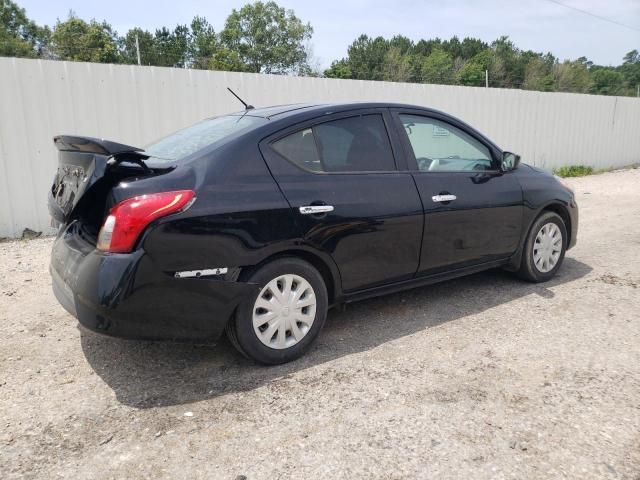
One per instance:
(397, 154)
(412, 164)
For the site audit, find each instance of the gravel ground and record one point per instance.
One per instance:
(481, 377)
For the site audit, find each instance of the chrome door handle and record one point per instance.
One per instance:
(443, 198)
(311, 209)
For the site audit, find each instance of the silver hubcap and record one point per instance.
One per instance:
(547, 247)
(284, 311)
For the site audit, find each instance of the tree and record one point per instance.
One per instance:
(402, 44)
(228, 60)
(607, 81)
(20, 36)
(75, 39)
(470, 47)
(396, 66)
(263, 37)
(366, 57)
(453, 47)
(631, 57)
(472, 74)
(502, 67)
(538, 76)
(339, 69)
(204, 43)
(146, 42)
(438, 67)
(425, 47)
(172, 47)
(630, 70)
(572, 76)
(267, 38)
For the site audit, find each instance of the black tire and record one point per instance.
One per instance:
(240, 330)
(528, 269)
(230, 330)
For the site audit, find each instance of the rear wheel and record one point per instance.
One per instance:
(544, 249)
(280, 322)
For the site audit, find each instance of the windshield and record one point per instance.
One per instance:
(187, 141)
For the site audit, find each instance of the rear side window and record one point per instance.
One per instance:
(187, 141)
(300, 147)
(354, 144)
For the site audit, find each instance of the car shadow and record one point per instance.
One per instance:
(153, 374)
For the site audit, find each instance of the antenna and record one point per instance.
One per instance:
(246, 105)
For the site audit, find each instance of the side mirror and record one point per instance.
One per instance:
(509, 161)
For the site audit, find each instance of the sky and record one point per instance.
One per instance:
(539, 25)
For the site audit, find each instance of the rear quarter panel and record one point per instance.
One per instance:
(240, 217)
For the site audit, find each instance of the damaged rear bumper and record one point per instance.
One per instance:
(126, 295)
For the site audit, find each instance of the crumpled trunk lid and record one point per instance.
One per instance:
(88, 169)
(81, 163)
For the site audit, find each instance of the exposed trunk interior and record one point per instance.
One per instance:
(87, 172)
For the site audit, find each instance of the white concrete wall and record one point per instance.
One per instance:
(135, 105)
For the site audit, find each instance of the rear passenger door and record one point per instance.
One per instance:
(348, 199)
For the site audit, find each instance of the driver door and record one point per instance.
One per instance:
(472, 210)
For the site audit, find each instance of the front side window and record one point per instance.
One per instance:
(354, 144)
(441, 147)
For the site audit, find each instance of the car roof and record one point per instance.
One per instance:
(281, 111)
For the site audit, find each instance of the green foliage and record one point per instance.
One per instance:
(19, 36)
(204, 43)
(538, 76)
(573, 171)
(75, 39)
(401, 44)
(259, 37)
(504, 67)
(465, 63)
(267, 38)
(470, 47)
(572, 76)
(339, 69)
(437, 67)
(14, 46)
(630, 70)
(471, 74)
(607, 81)
(228, 60)
(397, 65)
(366, 58)
(146, 42)
(172, 46)
(263, 37)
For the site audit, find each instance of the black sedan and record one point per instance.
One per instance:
(255, 223)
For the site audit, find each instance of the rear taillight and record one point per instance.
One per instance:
(129, 218)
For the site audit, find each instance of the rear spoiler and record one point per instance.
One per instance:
(70, 143)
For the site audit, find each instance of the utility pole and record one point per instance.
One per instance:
(638, 91)
(486, 78)
(138, 49)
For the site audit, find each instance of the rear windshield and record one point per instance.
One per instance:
(181, 144)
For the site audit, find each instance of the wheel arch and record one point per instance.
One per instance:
(327, 268)
(562, 211)
(554, 206)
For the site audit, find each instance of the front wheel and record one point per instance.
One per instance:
(279, 323)
(544, 249)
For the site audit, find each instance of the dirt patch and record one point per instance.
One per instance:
(618, 281)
